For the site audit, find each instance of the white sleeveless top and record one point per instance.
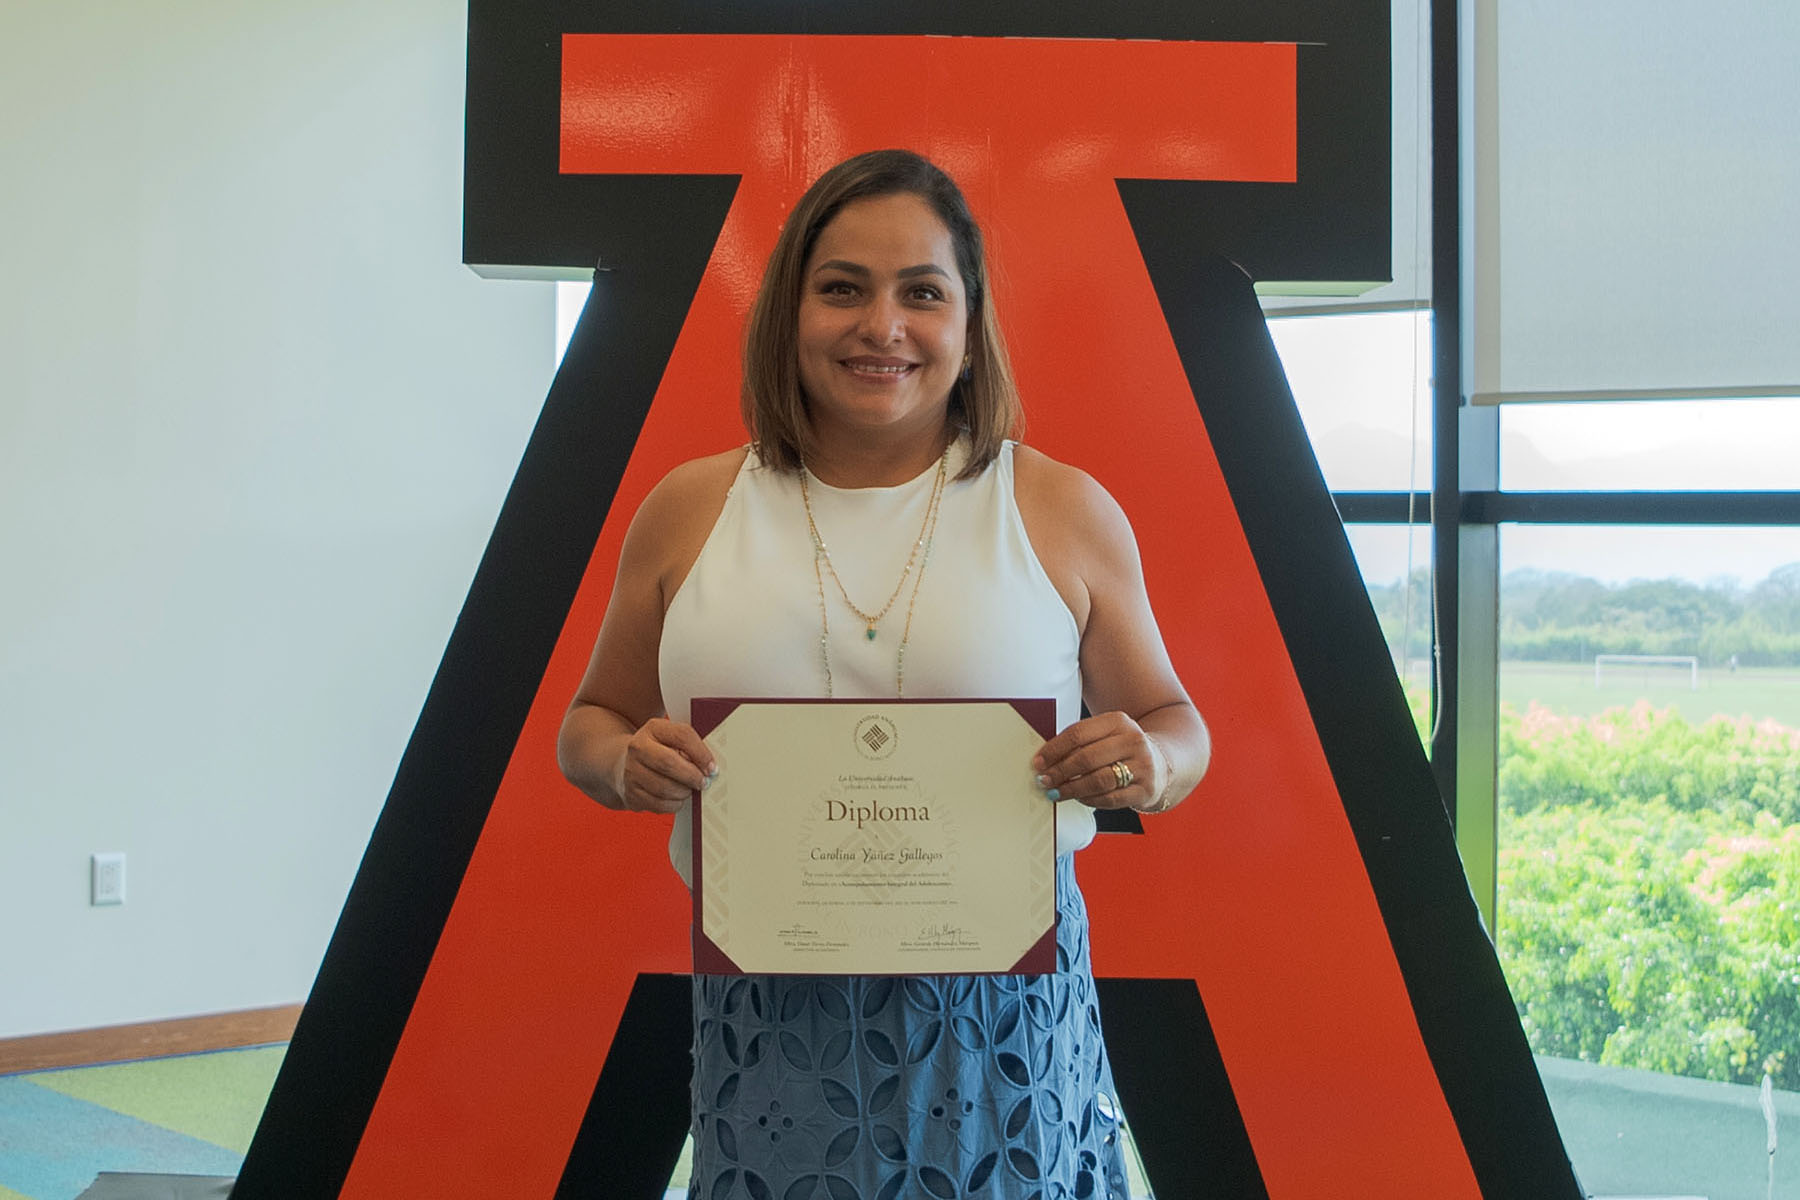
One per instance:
(986, 620)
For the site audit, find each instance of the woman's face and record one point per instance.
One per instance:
(884, 318)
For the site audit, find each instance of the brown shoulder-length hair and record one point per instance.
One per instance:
(987, 402)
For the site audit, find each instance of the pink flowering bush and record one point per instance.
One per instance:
(1649, 890)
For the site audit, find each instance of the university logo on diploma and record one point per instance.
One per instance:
(874, 837)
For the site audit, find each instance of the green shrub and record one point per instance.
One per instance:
(1649, 891)
(1730, 766)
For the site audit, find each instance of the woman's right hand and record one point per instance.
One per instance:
(663, 764)
(617, 743)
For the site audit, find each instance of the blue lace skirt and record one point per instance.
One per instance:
(993, 1087)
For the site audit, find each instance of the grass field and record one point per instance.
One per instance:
(1766, 693)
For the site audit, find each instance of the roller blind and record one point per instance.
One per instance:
(1635, 199)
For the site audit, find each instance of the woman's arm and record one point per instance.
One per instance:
(1142, 718)
(616, 744)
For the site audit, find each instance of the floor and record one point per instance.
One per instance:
(1630, 1133)
(190, 1114)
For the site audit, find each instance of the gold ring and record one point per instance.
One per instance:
(1122, 774)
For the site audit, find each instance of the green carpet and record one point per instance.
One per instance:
(189, 1115)
(215, 1097)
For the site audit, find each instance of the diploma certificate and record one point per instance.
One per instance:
(874, 837)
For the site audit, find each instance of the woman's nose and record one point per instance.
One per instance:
(884, 322)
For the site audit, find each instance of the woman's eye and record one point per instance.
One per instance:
(928, 294)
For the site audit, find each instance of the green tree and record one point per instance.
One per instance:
(1649, 908)
(1754, 882)
(1559, 617)
(1775, 602)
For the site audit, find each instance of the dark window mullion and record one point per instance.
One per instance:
(1578, 508)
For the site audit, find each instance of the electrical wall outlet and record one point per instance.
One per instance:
(108, 878)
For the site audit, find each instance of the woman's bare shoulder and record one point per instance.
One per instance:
(694, 490)
(672, 522)
(700, 478)
(1064, 494)
(1076, 528)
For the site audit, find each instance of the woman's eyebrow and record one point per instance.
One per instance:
(850, 268)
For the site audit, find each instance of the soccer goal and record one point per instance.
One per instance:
(1649, 662)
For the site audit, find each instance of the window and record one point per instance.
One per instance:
(1362, 384)
(1726, 445)
(1649, 796)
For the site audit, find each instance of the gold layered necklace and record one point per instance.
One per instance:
(914, 570)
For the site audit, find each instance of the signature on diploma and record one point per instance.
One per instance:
(944, 935)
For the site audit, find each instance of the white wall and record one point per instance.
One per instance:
(256, 421)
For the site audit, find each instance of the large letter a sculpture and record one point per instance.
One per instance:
(1301, 997)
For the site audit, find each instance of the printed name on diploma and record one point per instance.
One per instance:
(941, 937)
(869, 854)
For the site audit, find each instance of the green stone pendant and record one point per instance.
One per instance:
(870, 633)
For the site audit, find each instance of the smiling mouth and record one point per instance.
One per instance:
(857, 367)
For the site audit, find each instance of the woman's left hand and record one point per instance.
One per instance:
(1104, 761)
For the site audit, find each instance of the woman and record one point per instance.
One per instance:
(881, 537)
